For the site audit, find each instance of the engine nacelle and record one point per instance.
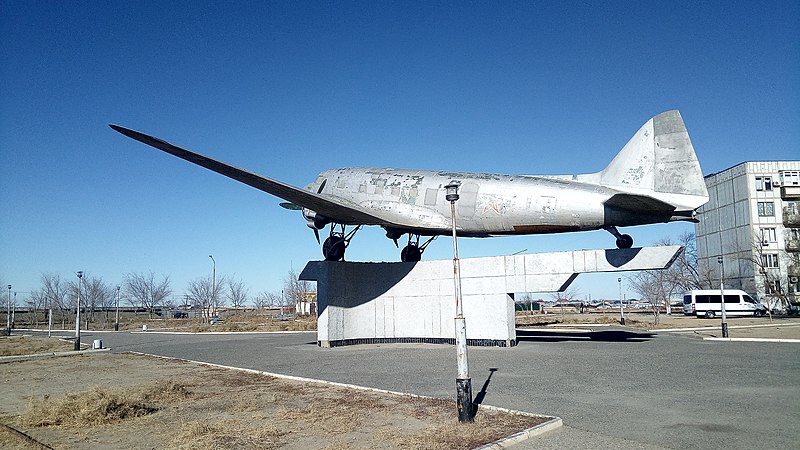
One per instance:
(393, 234)
(315, 221)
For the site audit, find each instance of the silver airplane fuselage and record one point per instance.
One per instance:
(489, 204)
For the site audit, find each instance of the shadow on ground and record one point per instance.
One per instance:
(601, 336)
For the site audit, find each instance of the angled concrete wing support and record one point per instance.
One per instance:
(413, 302)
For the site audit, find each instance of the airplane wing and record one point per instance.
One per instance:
(334, 208)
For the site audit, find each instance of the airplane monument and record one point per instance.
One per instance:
(655, 178)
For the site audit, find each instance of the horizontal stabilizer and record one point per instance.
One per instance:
(290, 206)
(641, 203)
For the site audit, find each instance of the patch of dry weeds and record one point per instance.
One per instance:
(26, 345)
(99, 406)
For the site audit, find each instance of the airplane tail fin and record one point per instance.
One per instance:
(659, 162)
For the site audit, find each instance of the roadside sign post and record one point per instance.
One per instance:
(78, 315)
(8, 314)
(116, 315)
(621, 311)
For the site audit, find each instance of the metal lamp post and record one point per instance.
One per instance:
(8, 314)
(722, 297)
(621, 311)
(213, 283)
(463, 381)
(78, 315)
(116, 314)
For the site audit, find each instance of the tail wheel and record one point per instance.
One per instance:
(625, 241)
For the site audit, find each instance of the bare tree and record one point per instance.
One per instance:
(765, 265)
(202, 292)
(94, 294)
(685, 274)
(37, 300)
(267, 299)
(56, 292)
(567, 296)
(144, 290)
(237, 292)
(296, 290)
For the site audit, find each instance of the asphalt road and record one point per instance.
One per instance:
(613, 388)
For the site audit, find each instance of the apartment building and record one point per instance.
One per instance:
(752, 220)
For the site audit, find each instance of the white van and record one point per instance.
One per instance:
(706, 303)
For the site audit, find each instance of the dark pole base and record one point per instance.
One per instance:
(464, 399)
(724, 329)
(116, 327)
(622, 321)
(77, 345)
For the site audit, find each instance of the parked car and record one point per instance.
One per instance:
(180, 315)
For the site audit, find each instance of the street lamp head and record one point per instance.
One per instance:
(719, 259)
(80, 274)
(451, 192)
(619, 280)
(9, 287)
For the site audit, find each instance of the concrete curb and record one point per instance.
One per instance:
(167, 332)
(203, 333)
(15, 358)
(795, 341)
(552, 424)
(716, 327)
(523, 435)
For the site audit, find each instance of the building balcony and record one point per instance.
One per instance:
(791, 215)
(790, 192)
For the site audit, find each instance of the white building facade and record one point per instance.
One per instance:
(752, 220)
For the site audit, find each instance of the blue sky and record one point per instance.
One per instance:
(288, 89)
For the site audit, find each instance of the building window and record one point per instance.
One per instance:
(769, 260)
(766, 209)
(773, 286)
(768, 235)
(763, 183)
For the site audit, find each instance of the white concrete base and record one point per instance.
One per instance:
(361, 303)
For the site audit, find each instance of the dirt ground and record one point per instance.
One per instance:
(780, 327)
(107, 400)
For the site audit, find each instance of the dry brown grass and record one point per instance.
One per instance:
(231, 433)
(555, 319)
(99, 406)
(26, 345)
(245, 322)
(201, 407)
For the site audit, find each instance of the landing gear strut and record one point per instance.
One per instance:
(334, 246)
(623, 240)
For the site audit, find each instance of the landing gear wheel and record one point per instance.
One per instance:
(624, 241)
(410, 253)
(333, 248)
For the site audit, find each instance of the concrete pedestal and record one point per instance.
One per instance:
(363, 303)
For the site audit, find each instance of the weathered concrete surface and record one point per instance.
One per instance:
(414, 302)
